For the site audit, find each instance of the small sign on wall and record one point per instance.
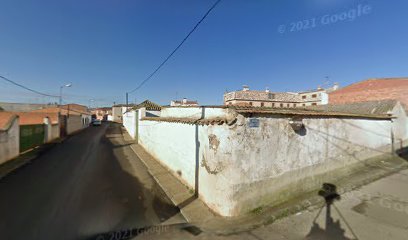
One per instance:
(253, 122)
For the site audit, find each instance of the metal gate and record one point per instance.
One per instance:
(31, 136)
(63, 125)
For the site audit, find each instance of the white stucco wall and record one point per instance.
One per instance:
(173, 144)
(244, 167)
(400, 126)
(10, 142)
(47, 130)
(194, 112)
(55, 131)
(241, 168)
(129, 122)
(117, 114)
(86, 120)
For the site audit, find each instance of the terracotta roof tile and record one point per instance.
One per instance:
(63, 111)
(31, 118)
(5, 119)
(369, 107)
(149, 105)
(305, 112)
(194, 121)
(372, 90)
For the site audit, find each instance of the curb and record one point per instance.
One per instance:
(191, 208)
(269, 214)
(27, 157)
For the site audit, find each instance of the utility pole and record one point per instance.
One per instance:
(127, 101)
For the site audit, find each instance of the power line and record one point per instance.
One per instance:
(174, 51)
(27, 88)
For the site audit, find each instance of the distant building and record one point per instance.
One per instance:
(149, 108)
(101, 113)
(372, 90)
(246, 97)
(118, 110)
(183, 103)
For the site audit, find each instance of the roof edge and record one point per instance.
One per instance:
(9, 123)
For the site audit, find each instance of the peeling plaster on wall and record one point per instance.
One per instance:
(214, 142)
(217, 169)
(250, 167)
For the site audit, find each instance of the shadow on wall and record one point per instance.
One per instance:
(403, 153)
(332, 229)
(197, 156)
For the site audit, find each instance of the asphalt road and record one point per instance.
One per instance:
(86, 186)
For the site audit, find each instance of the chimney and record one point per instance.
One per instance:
(335, 86)
(267, 89)
(184, 100)
(245, 88)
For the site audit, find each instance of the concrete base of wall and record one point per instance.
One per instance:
(289, 186)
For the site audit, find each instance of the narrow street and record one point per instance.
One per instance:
(90, 184)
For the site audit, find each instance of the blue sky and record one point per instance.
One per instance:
(107, 47)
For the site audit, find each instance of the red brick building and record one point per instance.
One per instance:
(372, 90)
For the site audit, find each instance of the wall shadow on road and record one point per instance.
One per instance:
(136, 208)
(332, 229)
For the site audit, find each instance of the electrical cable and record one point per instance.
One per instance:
(27, 88)
(175, 50)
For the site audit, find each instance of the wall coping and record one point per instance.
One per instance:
(9, 123)
(192, 121)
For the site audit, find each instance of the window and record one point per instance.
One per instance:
(294, 105)
(314, 104)
(288, 105)
(262, 104)
(273, 104)
(271, 96)
(250, 103)
(281, 105)
(314, 95)
(303, 105)
(304, 97)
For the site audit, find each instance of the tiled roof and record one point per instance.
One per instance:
(369, 107)
(124, 105)
(305, 112)
(63, 111)
(5, 120)
(149, 105)
(195, 121)
(75, 107)
(372, 90)
(31, 118)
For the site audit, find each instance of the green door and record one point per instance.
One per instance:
(31, 136)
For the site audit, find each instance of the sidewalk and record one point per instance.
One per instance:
(25, 158)
(193, 209)
(210, 224)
